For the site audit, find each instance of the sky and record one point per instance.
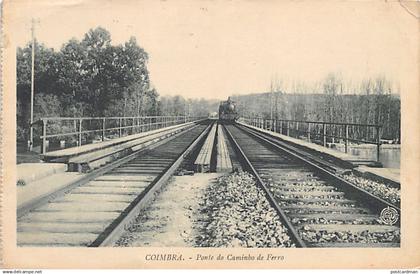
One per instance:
(213, 49)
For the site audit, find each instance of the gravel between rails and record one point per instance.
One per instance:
(382, 190)
(171, 220)
(365, 236)
(239, 215)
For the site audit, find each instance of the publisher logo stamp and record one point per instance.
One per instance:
(389, 215)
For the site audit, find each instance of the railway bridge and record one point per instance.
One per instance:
(99, 177)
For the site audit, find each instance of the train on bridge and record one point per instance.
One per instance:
(228, 111)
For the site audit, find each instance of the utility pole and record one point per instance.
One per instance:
(271, 100)
(31, 130)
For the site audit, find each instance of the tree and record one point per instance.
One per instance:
(90, 77)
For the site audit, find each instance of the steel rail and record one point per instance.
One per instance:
(35, 203)
(292, 231)
(114, 231)
(363, 195)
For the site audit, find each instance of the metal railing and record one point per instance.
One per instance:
(83, 130)
(321, 132)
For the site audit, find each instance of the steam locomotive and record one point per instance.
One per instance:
(227, 111)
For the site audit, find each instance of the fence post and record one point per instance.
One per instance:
(124, 124)
(297, 129)
(80, 132)
(324, 134)
(347, 138)
(288, 128)
(309, 132)
(44, 136)
(119, 127)
(103, 129)
(149, 124)
(378, 142)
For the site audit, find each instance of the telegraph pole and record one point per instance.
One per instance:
(31, 130)
(271, 99)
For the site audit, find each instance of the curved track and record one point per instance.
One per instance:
(95, 211)
(319, 208)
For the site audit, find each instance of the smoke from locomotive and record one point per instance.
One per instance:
(227, 111)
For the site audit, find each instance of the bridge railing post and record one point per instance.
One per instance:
(378, 142)
(324, 134)
(80, 132)
(346, 140)
(288, 128)
(103, 129)
(309, 132)
(44, 135)
(119, 127)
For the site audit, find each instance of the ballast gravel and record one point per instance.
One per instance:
(239, 215)
(382, 190)
(365, 236)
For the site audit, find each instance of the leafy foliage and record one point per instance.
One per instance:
(90, 77)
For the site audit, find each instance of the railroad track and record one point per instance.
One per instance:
(319, 208)
(95, 210)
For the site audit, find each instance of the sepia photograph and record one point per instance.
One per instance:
(211, 132)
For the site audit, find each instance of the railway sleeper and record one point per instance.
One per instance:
(306, 209)
(359, 228)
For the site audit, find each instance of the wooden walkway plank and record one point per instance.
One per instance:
(202, 163)
(224, 163)
(94, 159)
